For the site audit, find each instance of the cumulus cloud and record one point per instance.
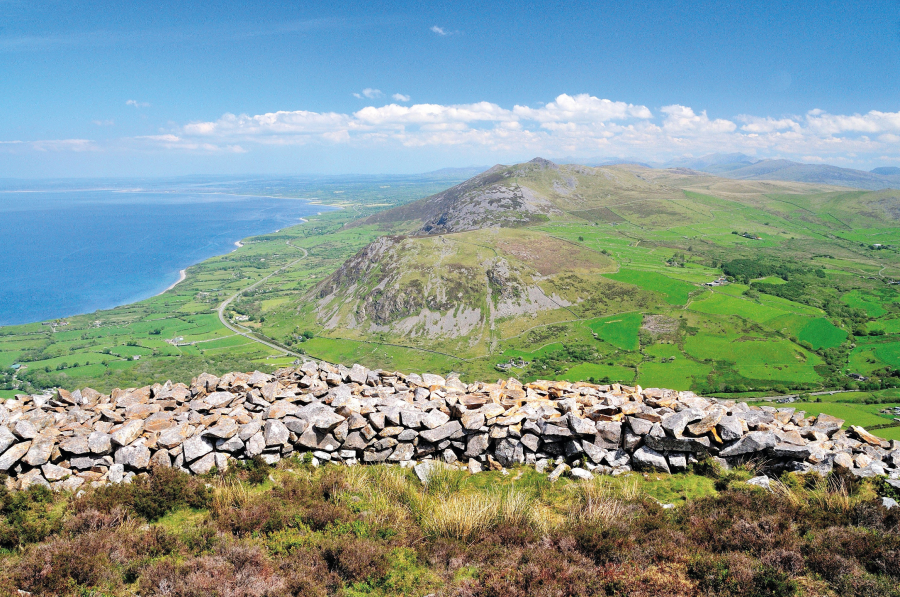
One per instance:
(582, 108)
(871, 122)
(681, 120)
(756, 124)
(570, 124)
(369, 93)
(137, 104)
(440, 31)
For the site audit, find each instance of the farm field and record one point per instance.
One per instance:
(609, 293)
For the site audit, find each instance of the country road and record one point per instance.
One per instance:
(243, 331)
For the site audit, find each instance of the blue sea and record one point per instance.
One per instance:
(65, 252)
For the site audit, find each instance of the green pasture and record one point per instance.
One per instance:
(864, 415)
(584, 371)
(821, 333)
(680, 374)
(676, 292)
(619, 330)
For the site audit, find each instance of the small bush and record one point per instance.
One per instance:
(151, 497)
(27, 516)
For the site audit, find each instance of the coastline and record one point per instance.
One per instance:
(182, 274)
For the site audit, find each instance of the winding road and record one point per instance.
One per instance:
(240, 330)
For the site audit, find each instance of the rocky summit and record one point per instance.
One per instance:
(354, 415)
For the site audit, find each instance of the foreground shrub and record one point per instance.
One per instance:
(56, 567)
(28, 516)
(151, 497)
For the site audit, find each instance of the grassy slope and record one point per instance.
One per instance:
(378, 531)
(604, 237)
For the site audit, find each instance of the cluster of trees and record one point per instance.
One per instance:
(745, 270)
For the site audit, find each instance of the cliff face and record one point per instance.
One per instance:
(354, 415)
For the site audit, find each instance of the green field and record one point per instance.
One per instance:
(619, 330)
(675, 291)
(611, 286)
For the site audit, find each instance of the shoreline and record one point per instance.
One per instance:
(182, 275)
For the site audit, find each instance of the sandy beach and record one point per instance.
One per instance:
(182, 274)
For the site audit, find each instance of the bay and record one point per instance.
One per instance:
(68, 252)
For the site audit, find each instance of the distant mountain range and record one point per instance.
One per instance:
(742, 167)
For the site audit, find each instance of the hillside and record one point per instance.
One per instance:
(880, 178)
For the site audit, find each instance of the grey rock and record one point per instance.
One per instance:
(135, 457)
(645, 458)
(791, 451)
(435, 419)
(761, 481)
(580, 473)
(477, 444)
(445, 431)
(203, 465)
(295, 425)
(100, 443)
(255, 444)
(402, 452)
(318, 440)
(609, 435)
(531, 441)
(325, 420)
(6, 438)
(195, 448)
(558, 472)
(232, 444)
(116, 473)
(618, 458)
(677, 444)
(225, 428)
(53, 472)
(39, 452)
(25, 429)
(677, 461)
(275, 433)
(581, 426)
(755, 441)
(639, 426)
(161, 458)
(675, 423)
(76, 445)
(729, 429)
(128, 432)
(888, 502)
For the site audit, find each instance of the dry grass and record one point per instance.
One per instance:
(603, 500)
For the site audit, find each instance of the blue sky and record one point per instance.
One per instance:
(165, 88)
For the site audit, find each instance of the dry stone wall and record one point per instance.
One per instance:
(354, 415)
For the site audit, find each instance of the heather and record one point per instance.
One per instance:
(296, 529)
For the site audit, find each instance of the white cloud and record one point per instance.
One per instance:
(369, 93)
(755, 124)
(440, 30)
(137, 104)
(681, 120)
(582, 108)
(568, 125)
(871, 122)
(64, 145)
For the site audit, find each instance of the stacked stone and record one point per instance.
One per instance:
(354, 415)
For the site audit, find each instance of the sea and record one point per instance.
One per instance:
(69, 251)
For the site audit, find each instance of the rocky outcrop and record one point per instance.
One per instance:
(354, 415)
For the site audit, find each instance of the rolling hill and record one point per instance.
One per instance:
(526, 260)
